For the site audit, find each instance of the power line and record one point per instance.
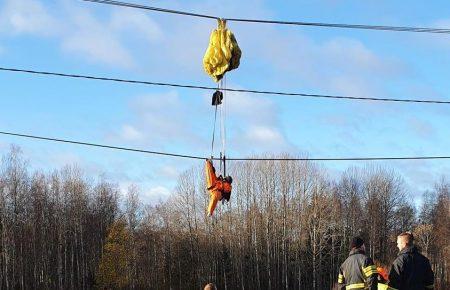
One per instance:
(297, 23)
(230, 159)
(100, 145)
(223, 89)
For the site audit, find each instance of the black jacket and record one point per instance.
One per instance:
(411, 271)
(358, 272)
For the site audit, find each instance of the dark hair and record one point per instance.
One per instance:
(229, 179)
(357, 242)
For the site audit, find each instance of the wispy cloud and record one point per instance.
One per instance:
(81, 32)
(158, 119)
(26, 16)
(130, 133)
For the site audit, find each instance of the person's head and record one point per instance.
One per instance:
(358, 243)
(210, 286)
(405, 239)
(229, 179)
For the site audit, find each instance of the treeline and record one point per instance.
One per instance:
(288, 226)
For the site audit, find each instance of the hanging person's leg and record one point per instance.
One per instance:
(210, 172)
(214, 197)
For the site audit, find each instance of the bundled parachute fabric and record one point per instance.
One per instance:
(223, 53)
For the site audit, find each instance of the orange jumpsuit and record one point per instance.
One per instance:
(217, 186)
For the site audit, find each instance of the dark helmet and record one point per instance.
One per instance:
(229, 179)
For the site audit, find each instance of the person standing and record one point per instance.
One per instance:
(410, 270)
(358, 270)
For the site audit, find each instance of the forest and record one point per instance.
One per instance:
(287, 226)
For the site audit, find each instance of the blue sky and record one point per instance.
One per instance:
(87, 38)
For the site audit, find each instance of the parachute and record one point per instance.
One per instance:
(223, 53)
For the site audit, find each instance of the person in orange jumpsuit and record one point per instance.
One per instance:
(219, 188)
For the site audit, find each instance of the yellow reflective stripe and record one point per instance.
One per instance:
(368, 274)
(382, 286)
(370, 270)
(355, 286)
(341, 279)
(429, 286)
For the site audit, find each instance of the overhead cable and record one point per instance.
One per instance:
(297, 23)
(230, 159)
(305, 95)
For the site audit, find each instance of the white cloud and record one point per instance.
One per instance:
(255, 109)
(156, 194)
(94, 40)
(26, 16)
(158, 119)
(169, 171)
(350, 54)
(130, 133)
(264, 135)
(135, 22)
(80, 32)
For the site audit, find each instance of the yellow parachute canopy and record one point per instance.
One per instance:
(223, 53)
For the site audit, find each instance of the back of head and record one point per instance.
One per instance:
(357, 242)
(210, 286)
(408, 238)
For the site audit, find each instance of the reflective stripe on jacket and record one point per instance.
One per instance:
(358, 272)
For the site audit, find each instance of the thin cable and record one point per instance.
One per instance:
(214, 132)
(341, 159)
(297, 23)
(225, 101)
(138, 6)
(100, 145)
(89, 77)
(222, 121)
(232, 159)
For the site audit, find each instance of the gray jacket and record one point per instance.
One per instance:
(358, 272)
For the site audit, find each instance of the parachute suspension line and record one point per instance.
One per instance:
(224, 124)
(221, 125)
(222, 129)
(214, 130)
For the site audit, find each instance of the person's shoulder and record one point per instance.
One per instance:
(400, 259)
(422, 257)
(349, 258)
